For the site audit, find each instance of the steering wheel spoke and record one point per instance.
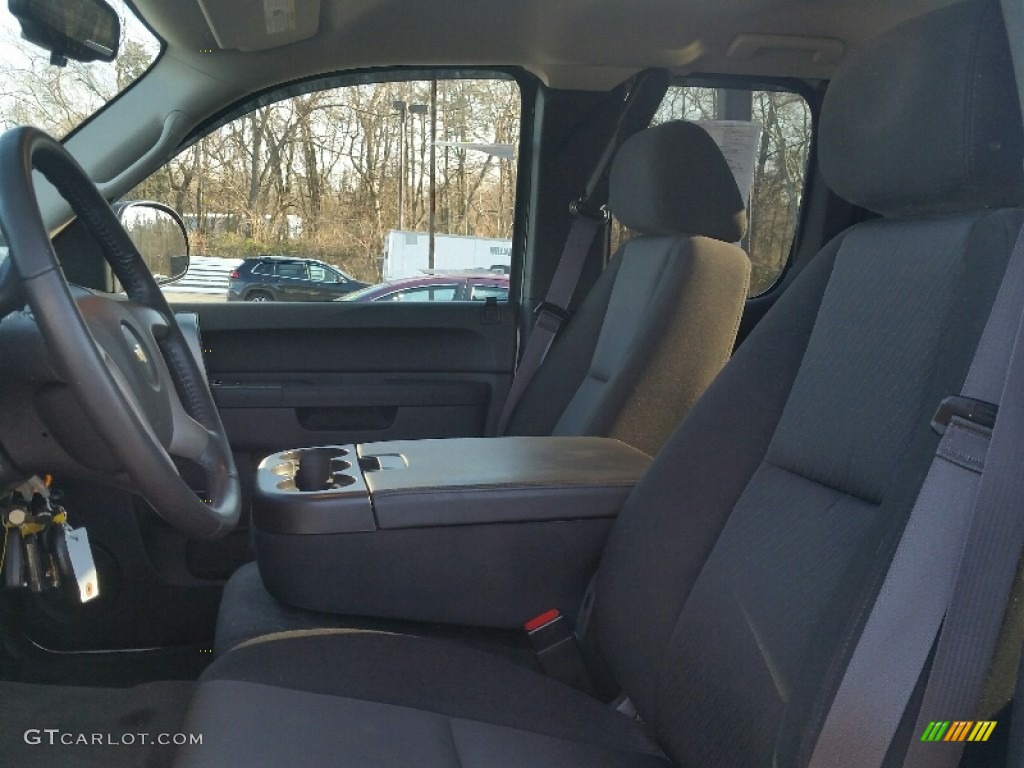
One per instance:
(153, 321)
(189, 439)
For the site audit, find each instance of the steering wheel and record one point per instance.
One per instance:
(126, 361)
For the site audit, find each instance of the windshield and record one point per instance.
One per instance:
(59, 99)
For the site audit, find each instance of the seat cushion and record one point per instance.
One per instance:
(356, 697)
(653, 333)
(248, 611)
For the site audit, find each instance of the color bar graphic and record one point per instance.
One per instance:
(958, 730)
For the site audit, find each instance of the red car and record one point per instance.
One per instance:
(457, 286)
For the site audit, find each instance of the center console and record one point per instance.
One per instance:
(480, 531)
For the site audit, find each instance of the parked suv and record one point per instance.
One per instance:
(282, 278)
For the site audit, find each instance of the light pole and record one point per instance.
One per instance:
(433, 171)
(401, 107)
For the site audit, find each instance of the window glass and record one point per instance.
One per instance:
(484, 292)
(769, 157)
(382, 181)
(319, 275)
(293, 271)
(425, 293)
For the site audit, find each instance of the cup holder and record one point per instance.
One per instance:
(312, 490)
(308, 470)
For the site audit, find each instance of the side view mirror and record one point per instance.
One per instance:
(159, 233)
(83, 30)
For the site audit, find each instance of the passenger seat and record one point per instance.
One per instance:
(661, 321)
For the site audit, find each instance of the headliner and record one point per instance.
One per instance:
(587, 44)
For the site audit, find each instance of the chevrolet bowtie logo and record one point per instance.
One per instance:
(140, 354)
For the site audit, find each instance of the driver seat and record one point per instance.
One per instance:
(731, 584)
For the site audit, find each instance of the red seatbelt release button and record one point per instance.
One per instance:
(539, 622)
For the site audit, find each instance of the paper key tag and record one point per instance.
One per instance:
(82, 563)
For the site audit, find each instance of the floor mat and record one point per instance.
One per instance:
(48, 725)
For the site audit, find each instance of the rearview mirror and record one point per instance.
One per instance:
(83, 30)
(159, 235)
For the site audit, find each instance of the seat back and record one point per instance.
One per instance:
(661, 321)
(737, 576)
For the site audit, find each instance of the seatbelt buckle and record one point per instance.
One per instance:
(582, 207)
(978, 412)
(558, 652)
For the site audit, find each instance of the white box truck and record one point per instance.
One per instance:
(407, 254)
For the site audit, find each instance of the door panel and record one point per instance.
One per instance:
(287, 376)
(263, 418)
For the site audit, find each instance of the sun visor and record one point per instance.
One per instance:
(256, 25)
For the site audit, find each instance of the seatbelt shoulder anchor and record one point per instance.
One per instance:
(582, 207)
(978, 412)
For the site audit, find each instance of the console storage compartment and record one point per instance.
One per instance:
(481, 531)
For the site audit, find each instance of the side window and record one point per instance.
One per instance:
(767, 151)
(382, 182)
(291, 271)
(484, 292)
(424, 293)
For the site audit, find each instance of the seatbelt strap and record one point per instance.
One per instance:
(552, 312)
(958, 553)
(1015, 756)
(588, 221)
(970, 631)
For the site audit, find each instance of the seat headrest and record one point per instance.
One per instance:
(673, 180)
(925, 118)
